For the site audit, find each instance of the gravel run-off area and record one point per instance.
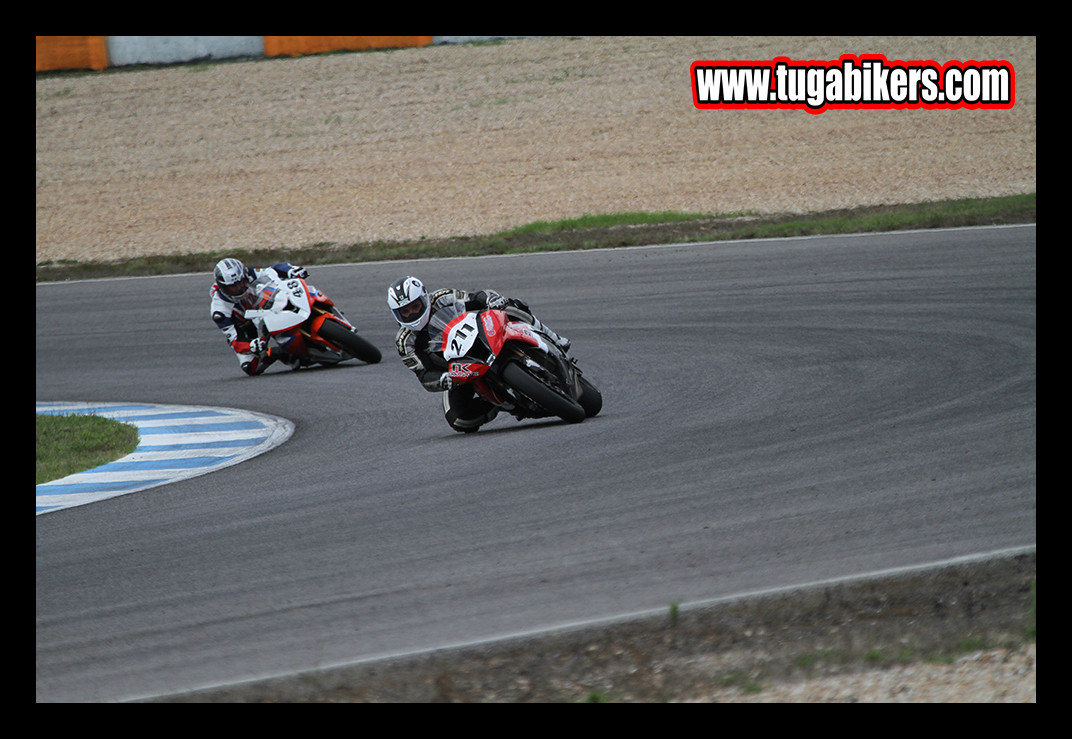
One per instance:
(462, 140)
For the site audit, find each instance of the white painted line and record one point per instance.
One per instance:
(176, 442)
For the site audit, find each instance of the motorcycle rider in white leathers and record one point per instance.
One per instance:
(233, 293)
(412, 307)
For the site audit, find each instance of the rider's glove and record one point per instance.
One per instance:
(258, 345)
(297, 272)
(494, 300)
(445, 381)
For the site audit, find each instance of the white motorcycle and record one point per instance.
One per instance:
(301, 321)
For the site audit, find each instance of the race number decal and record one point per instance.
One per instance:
(460, 336)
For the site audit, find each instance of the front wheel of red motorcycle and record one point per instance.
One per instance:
(549, 399)
(354, 345)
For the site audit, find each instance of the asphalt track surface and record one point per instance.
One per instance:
(775, 413)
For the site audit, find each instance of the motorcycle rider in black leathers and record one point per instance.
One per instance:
(412, 306)
(232, 295)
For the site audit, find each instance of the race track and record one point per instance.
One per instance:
(775, 413)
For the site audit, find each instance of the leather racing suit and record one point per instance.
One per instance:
(240, 333)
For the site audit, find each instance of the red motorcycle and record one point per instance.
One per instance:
(301, 321)
(513, 365)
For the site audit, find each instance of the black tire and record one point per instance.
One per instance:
(551, 401)
(591, 399)
(354, 345)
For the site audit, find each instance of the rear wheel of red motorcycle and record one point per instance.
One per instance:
(591, 399)
(555, 403)
(354, 345)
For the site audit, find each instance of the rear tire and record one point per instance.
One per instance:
(354, 345)
(551, 401)
(591, 399)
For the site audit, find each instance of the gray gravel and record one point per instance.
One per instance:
(448, 141)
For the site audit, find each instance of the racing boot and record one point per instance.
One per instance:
(257, 365)
(519, 309)
(560, 341)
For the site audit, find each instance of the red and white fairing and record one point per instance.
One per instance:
(461, 341)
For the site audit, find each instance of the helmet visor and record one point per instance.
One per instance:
(411, 311)
(235, 289)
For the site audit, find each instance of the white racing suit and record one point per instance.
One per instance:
(230, 318)
(423, 355)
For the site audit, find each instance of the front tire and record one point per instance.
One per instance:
(354, 345)
(550, 400)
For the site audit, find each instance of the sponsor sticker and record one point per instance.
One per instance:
(463, 369)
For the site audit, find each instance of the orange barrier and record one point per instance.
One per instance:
(298, 45)
(91, 52)
(71, 52)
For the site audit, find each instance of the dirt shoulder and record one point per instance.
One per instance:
(951, 634)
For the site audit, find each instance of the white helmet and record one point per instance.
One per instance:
(409, 303)
(232, 280)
